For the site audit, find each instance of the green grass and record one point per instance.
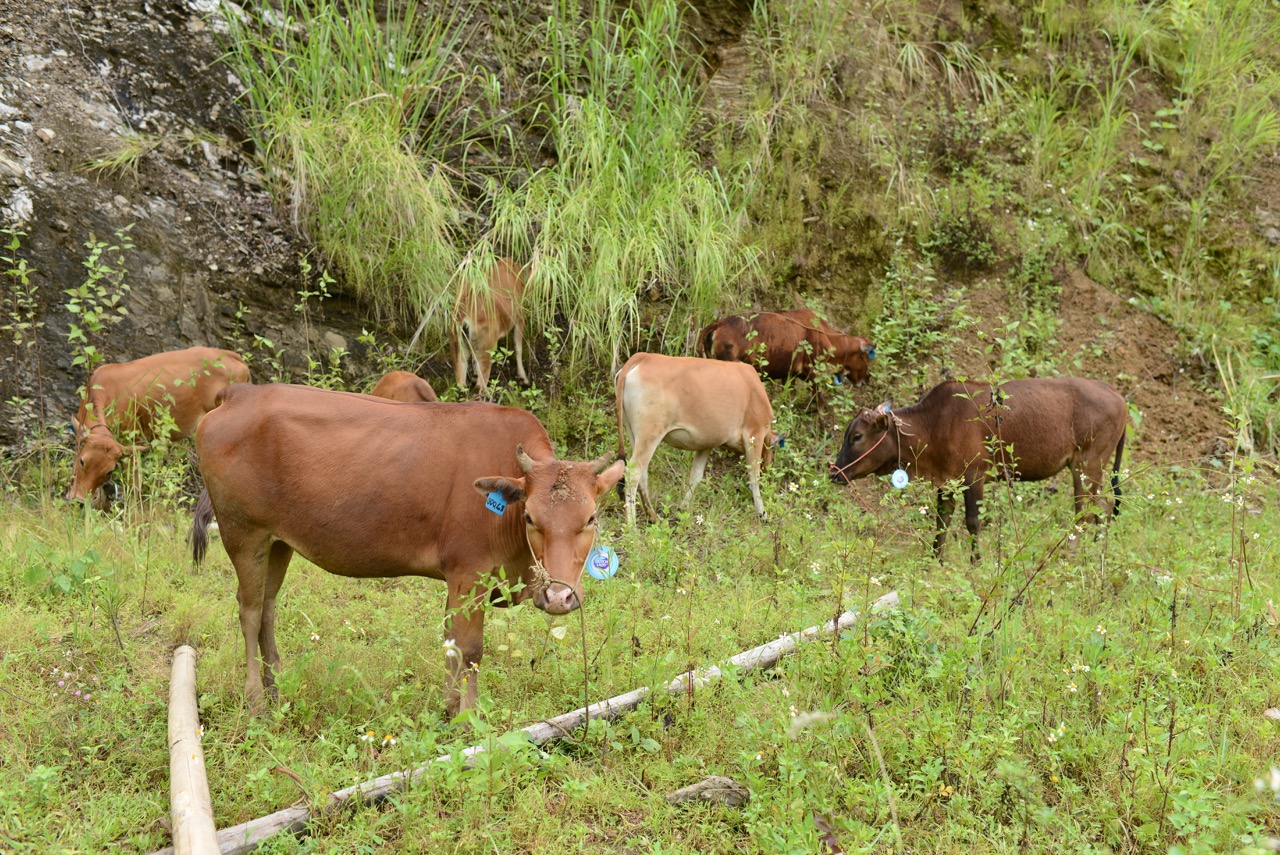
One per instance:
(990, 712)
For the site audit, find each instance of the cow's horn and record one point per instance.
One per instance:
(526, 462)
(603, 462)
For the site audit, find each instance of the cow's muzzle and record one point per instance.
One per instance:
(557, 598)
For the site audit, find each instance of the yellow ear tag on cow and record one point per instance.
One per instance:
(899, 478)
(496, 502)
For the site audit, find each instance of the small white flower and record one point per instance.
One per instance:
(1071, 687)
(681, 591)
(1100, 629)
(451, 648)
(874, 580)
(367, 736)
(793, 487)
(315, 636)
(697, 519)
(388, 740)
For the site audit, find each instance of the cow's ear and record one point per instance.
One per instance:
(512, 489)
(610, 476)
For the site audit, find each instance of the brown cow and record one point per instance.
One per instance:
(126, 398)
(1033, 430)
(787, 344)
(482, 319)
(695, 405)
(404, 386)
(369, 488)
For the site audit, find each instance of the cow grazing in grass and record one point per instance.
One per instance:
(404, 386)
(128, 398)
(693, 404)
(368, 488)
(482, 319)
(793, 343)
(1029, 431)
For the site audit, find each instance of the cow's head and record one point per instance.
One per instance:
(560, 521)
(97, 454)
(855, 362)
(869, 446)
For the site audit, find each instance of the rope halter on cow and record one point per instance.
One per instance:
(897, 428)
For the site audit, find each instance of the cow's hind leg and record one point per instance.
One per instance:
(250, 557)
(519, 338)
(972, 519)
(277, 564)
(638, 478)
(755, 456)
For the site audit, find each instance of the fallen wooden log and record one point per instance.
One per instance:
(247, 836)
(190, 808)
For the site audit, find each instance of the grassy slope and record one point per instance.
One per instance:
(953, 724)
(1018, 722)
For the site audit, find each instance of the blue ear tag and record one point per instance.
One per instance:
(782, 442)
(899, 478)
(871, 353)
(496, 502)
(839, 382)
(602, 562)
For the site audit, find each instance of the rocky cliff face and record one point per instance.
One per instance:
(212, 264)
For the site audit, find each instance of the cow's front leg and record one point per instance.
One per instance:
(946, 504)
(464, 646)
(972, 501)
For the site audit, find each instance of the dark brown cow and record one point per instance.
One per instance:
(127, 397)
(787, 344)
(1033, 430)
(404, 386)
(480, 320)
(695, 405)
(368, 488)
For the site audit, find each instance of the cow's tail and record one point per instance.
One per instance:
(199, 537)
(1115, 473)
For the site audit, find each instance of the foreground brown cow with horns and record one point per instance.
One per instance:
(369, 488)
(793, 343)
(127, 397)
(404, 386)
(1033, 430)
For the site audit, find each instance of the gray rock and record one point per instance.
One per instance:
(717, 790)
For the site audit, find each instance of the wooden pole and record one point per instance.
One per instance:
(190, 808)
(245, 837)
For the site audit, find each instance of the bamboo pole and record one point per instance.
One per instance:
(190, 808)
(245, 837)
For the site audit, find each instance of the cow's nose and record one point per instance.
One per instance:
(557, 599)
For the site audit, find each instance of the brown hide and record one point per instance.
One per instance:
(1035, 429)
(369, 488)
(790, 343)
(126, 398)
(692, 404)
(404, 386)
(481, 320)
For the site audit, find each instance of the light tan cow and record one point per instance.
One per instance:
(480, 320)
(127, 397)
(693, 404)
(404, 386)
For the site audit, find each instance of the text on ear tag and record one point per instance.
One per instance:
(496, 502)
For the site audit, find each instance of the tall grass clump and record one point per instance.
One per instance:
(637, 240)
(347, 112)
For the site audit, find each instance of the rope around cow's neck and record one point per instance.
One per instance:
(897, 429)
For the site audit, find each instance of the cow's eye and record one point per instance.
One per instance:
(857, 437)
(528, 520)
(592, 521)
(82, 464)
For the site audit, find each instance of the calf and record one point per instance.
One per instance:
(1032, 430)
(404, 386)
(482, 319)
(696, 405)
(127, 398)
(787, 344)
(368, 488)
